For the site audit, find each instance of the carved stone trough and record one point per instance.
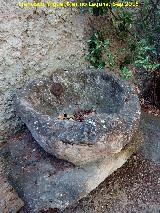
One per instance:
(89, 119)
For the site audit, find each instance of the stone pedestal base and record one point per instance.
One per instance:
(9, 200)
(44, 182)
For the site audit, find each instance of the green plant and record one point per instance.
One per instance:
(122, 21)
(97, 45)
(95, 50)
(142, 55)
(131, 27)
(110, 58)
(125, 73)
(147, 25)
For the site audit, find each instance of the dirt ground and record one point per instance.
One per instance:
(134, 188)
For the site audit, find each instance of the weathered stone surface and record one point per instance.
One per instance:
(99, 135)
(9, 200)
(45, 182)
(135, 186)
(32, 45)
(150, 128)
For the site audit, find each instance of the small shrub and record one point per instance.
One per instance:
(95, 50)
(125, 73)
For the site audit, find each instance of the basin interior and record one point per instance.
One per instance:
(80, 91)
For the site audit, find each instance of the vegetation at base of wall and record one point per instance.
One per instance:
(97, 44)
(125, 73)
(140, 29)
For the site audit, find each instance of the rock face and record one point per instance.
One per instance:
(34, 41)
(150, 126)
(44, 182)
(9, 200)
(113, 120)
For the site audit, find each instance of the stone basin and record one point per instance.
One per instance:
(113, 119)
